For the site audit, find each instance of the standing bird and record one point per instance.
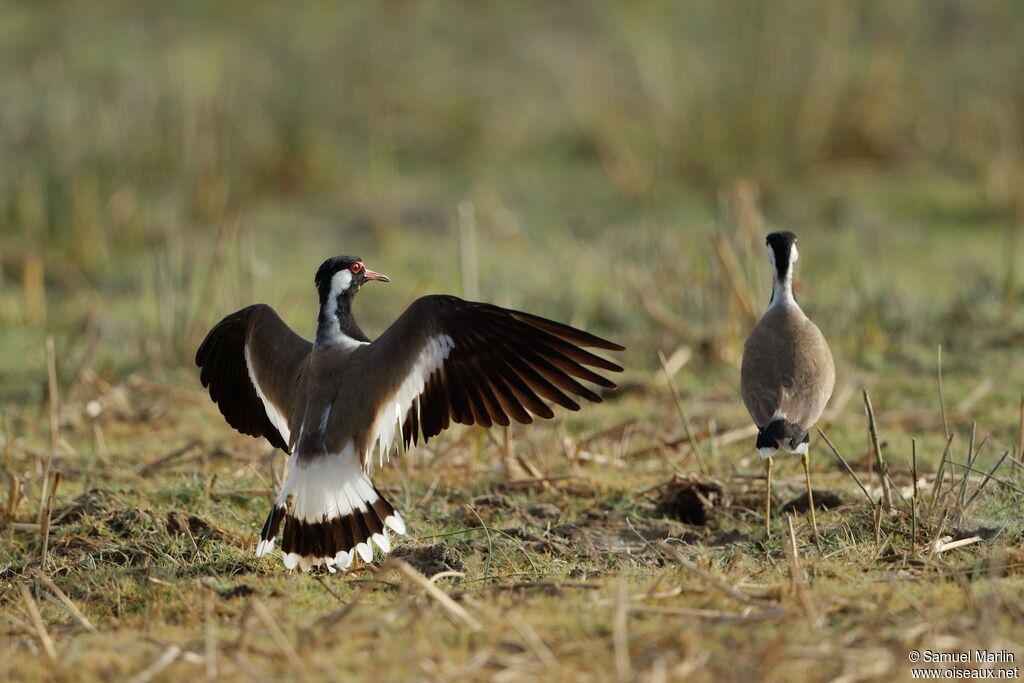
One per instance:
(332, 403)
(787, 373)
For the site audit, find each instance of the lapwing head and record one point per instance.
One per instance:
(782, 253)
(342, 276)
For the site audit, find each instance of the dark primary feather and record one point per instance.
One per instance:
(504, 365)
(278, 355)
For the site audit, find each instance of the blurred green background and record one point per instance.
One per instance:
(165, 163)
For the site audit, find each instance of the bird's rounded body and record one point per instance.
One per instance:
(787, 374)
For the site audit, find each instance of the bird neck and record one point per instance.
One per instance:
(336, 325)
(782, 289)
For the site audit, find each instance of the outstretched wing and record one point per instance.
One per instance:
(447, 360)
(252, 363)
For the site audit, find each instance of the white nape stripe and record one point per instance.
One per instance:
(341, 281)
(388, 421)
(782, 290)
(276, 418)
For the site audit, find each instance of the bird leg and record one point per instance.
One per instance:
(768, 497)
(810, 494)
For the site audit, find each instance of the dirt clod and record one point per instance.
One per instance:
(431, 559)
(90, 502)
(544, 511)
(179, 522)
(690, 499)
(823, 500)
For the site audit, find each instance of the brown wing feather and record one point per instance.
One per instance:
(501, 367)
(278, 355)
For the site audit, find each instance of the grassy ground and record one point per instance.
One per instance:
(169, 166)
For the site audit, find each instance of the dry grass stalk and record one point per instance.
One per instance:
(849, 469)
(210, 634)
(940, 474)
(939, 529)
(34, 286)
(717, 583)
(277, 635)
(794, 554)
(13, 498)
(46, 520)
(942, 399)
(101, 443)
(944, 545)
(737, 282)
(620, 635)
(64, 601)
(694, 446)
(913, 509)
(37, 623)
(661, 315)
(51, 386)
(533, 640)
(998, 480)
(676, 362)
(1020, 431)
(979, 392)
(165, 460)
(972, 453)
(878, 524)
(988, 476)
(883, 470)
(169, 656)
(453, 608)
(796, 575)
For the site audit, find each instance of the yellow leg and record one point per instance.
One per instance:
(810, 494)
(768, 497)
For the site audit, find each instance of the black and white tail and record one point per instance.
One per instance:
(779, 434)
(336, 513)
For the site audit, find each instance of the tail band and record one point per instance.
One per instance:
(781, 434)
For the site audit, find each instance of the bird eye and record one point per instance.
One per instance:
(356, 267)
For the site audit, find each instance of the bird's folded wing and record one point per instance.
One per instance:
(252, 363)
(448, 360)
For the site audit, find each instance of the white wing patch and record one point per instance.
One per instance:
(389, 419)
(276, 418)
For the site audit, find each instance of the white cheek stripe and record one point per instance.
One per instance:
(275, 416)
(341, 281)
(389, 419)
